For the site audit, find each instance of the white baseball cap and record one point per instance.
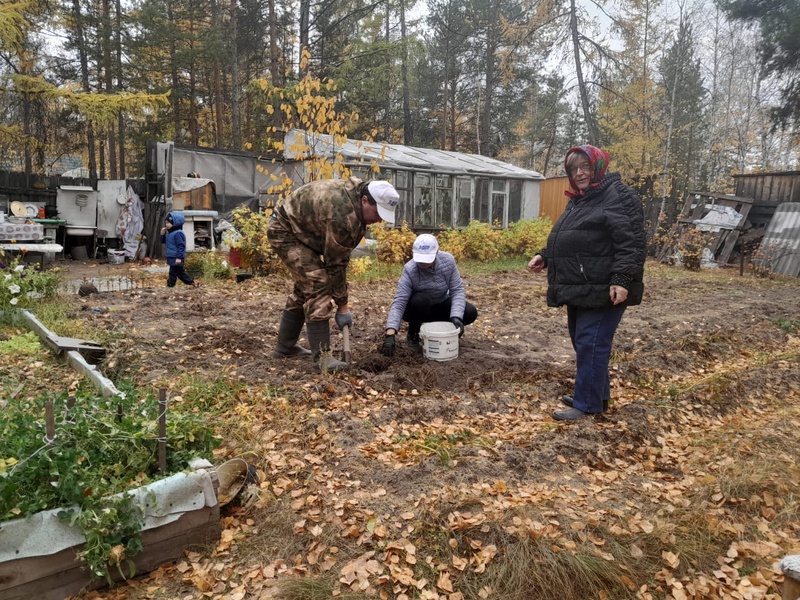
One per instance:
(386, 198)
(425, 248)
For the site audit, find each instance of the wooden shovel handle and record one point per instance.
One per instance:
(346, 334)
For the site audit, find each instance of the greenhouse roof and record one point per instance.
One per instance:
(301, 144)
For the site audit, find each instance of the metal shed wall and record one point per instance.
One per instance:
(780, 248)
(238, 177)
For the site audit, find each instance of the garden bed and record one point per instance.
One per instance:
(78, 467)
(39, 554)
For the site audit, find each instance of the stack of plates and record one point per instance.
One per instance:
(18, 209)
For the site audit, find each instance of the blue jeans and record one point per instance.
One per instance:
(592, 333)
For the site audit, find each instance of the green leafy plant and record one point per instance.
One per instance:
(102, 449)
(112, 527)
(257, 253)
(209, 265)
(791, 326)
(24, 344)
(21, 284)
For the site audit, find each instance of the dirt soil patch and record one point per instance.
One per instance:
(397, 433)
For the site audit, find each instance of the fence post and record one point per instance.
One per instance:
(162, 430)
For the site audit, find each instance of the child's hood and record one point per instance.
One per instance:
(177, 218)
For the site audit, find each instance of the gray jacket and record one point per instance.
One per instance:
(441, 281)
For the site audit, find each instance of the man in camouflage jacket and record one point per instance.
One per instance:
(314, 231)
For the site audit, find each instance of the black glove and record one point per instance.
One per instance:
(459, 325)
(343, 320)
(387, 349)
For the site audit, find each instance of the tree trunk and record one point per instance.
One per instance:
(121, 117)
(218, 134)
(84, 61)
(387, 118)
(485, 147)
(174, 97)
(591, 126)
(102, 152)
(408, 133)
(235, 99)
(275, 73)
(305, 17)
(194, 133)
(26, 130)
(109, 85)
(446, 94)
(675, 79)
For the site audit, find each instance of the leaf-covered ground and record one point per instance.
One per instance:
(407, 478)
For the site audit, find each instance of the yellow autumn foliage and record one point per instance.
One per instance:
(394, 245)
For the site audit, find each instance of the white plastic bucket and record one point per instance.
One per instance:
(439, 340)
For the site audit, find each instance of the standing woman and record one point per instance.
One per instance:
(595, 261)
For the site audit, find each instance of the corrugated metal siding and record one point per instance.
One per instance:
(552, 200)
(780, 248)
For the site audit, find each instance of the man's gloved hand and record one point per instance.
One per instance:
(387, 349)
(343, 319)
(459, 325)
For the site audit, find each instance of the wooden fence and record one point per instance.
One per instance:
(552, 200)
(43, 189)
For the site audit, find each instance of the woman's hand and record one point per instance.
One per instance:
(537, 264)
(618, 294)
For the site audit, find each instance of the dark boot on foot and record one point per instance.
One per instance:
(288, 334)
(319, 337)
(568, 400)
(570, 414)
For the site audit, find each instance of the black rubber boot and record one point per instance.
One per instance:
(319, 337)
(567, 400)
(288, 334)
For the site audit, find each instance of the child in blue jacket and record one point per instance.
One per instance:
(175, 240)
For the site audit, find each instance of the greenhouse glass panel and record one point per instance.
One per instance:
(463, 201)
(423, 200)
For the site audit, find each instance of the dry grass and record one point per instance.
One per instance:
(532, 568)
(313, 589)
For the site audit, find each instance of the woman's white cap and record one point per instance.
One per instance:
(425, 248)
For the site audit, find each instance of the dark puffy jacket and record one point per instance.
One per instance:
(599, 235)
(175, 239)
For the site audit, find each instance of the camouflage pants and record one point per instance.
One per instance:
(311, 293)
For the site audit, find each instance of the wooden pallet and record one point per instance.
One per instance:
(697, 207)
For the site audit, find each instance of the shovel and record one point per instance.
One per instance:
(346, 334)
